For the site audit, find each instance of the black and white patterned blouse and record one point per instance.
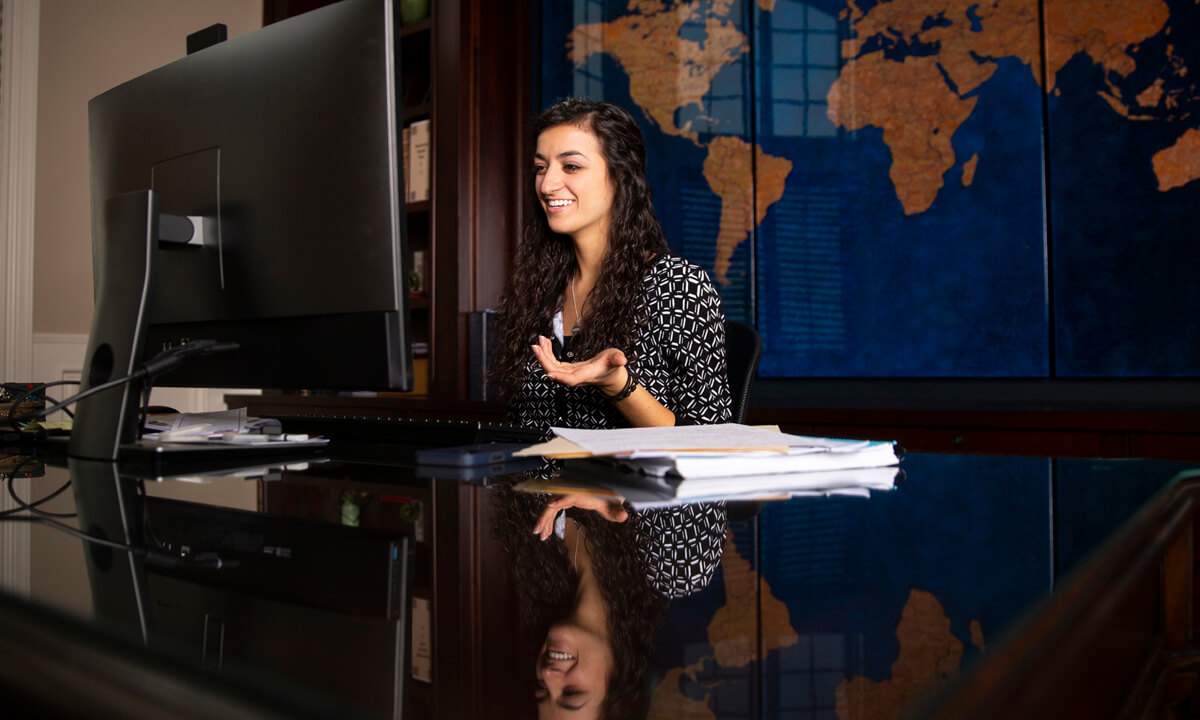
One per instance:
(681, 546)
(679, 357)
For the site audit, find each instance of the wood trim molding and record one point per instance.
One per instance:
(18, 159)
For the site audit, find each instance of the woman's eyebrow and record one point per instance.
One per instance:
(561, 155)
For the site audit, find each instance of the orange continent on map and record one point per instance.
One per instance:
(929, 654)
(666, 72)
(746, 196)
(1179, 164)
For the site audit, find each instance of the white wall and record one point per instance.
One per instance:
(73, 51)
(85, 48)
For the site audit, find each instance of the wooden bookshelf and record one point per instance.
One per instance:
(465, 68)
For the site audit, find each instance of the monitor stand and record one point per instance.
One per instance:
(125, 257)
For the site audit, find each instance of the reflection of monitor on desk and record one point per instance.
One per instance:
(283, 148)
(245, 593)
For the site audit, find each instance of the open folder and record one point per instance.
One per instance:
(726, 450)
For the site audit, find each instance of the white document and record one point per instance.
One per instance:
(713, 439)
(179, 425)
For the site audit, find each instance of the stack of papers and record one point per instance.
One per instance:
(728, 461)
(223, 427)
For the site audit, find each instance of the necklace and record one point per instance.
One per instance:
(575, 327)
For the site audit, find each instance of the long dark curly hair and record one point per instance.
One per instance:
(546, 260)
(546, 586)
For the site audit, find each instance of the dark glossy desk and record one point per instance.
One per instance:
(939, 597)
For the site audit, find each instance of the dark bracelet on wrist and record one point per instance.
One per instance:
(630, 386)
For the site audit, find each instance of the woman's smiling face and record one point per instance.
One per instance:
(572, 672)
(572, 183)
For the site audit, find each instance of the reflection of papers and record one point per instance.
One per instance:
(602, 476)
(816, 482)
(798, 459)
(266, 473)
(715, 450)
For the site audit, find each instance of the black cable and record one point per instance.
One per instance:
(159, 556)
(152, 556)
(33, 506)
(79, 396)
(69, 530)
(25, 392)
(164, 361)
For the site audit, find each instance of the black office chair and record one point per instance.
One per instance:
(743, 349)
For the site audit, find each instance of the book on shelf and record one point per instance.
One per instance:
(406, 144)
(420, 153)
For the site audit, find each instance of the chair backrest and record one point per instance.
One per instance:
(743, 349)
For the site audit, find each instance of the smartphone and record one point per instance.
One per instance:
(478, 474)
(469, 455)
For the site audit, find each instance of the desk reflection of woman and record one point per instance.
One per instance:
(593, 584)
(599, 327)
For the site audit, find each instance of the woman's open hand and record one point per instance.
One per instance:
(604, 369)
(610, 510)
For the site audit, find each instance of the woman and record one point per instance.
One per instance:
(600, 326)
(592, 602)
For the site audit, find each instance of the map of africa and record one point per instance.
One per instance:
(855, 172)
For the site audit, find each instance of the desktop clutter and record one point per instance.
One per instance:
(652, 467)
(644, 467)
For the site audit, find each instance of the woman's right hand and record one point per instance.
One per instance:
(604, 369)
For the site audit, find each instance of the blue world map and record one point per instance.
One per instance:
(918, 189)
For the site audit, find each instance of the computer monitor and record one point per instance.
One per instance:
(252, 193)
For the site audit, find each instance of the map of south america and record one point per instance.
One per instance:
(668, 73)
